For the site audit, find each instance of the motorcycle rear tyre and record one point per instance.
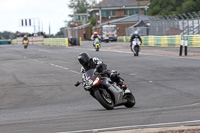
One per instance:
(97, 49)
(101, 98)
(136, 51)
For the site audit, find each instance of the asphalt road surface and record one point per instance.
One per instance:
(37, 93)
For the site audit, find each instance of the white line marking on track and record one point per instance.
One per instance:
(58, 66)
(136, 126)
(75, 72)
(47, 51)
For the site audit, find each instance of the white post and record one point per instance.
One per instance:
(181, 45)
(186, 44)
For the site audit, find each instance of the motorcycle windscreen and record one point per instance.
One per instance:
(96, 41)
(89, 74)
(136, 41)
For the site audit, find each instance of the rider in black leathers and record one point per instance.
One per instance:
(135, 35)
(25, 38)
(92, 63)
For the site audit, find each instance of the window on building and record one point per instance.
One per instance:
(107, 13)
(138, 11)
(83, 19)
(129, 12)
(77, 18)
(113, 13)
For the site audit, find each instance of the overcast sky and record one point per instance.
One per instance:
(53, 12)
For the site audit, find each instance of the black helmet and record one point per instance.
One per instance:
(83, 58)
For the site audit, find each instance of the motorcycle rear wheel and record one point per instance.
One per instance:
(136, 48)
(105, 101)
(130, 101)
(97, 48)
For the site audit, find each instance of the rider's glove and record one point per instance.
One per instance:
(99, 68)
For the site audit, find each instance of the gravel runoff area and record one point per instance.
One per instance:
(180, 129)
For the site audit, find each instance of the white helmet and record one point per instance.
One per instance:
(135, 32)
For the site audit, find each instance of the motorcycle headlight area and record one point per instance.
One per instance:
(96, 81)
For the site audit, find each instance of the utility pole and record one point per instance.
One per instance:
(49, 30)
(138, 12)
(100, 14)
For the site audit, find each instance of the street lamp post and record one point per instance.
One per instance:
(192, 21)
(138, 12)
(177, 19)
(172, 24)
(198, 21)
(182, 22)
(187, 22)
(100, 14)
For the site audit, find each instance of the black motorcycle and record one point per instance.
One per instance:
(105, 91)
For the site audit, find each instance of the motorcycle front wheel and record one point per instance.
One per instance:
(130, 101)
(105, 100)
(25, 46)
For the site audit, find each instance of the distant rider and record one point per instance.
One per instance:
(25, 39)
(94, 36)
(92, 63)
(133, 36)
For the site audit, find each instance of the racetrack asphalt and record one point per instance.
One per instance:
(37, 93)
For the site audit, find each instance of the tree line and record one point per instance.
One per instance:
(8, 35)
(168, 7)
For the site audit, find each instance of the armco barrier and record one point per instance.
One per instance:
(14, 41)
(165, 41)
(5, 42)
(55, 41)
(61, 41)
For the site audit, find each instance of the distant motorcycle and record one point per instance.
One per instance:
(25, 42)
(97, 44)
(105, 91)
(135, 46)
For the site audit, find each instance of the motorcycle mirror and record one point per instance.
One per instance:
(77, 84)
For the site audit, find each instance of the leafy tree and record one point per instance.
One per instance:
(60, 33)
(166, 7)
(188, 6)
(92, 24)
(81, 6)
(8, 35)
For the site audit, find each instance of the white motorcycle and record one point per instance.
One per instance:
(135, 46)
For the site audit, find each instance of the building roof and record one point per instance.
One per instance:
(83, 26)
(121, 3)
(141, 23)
(128, 19)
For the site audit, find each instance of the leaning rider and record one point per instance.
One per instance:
(92, 63)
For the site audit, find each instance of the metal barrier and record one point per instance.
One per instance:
(181, 24)
(62, 41)
(165, 41)
(169, 25)
(5, 42)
